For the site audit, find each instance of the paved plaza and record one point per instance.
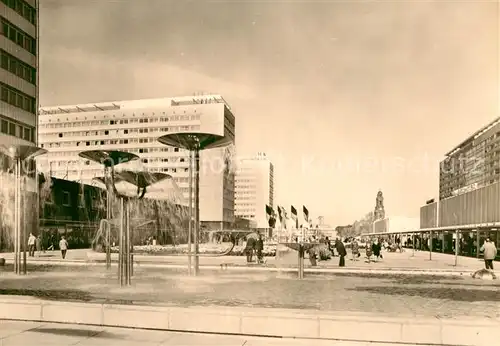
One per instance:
(409, 259)
(15, 333)
(414, 295)
(377, 296)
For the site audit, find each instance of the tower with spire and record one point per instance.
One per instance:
(379, 212)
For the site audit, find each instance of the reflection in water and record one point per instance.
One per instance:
(448, 293)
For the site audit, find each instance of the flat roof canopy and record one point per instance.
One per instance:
(494, 226)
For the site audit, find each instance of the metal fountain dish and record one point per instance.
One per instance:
(109, 158)
(142, 179)
(23, 152)
(195, 140)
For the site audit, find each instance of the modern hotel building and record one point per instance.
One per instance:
(254, 189)
(472, 164)
(18, 72)
(134, 126)
(469, 190)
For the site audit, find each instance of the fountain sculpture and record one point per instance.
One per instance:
(195, 142)
(109, 159)
(140, 180)
(20, 154)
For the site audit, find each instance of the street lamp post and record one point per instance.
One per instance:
(20, 154)
(195, 142)
(109, 159)
(190, 214)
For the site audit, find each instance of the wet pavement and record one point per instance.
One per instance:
(400, 295)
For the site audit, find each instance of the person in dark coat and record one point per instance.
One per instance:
(250, 248)
(376, 247)
(329, 245)
(259, 247)
(339, 246)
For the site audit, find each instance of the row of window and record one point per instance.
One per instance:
(74, 176)
(245, 216)
(141, 150)
(23, 9)
(131, 120)
(18, 36)
(123, 131)
(98, 172)
(17, 67)
(12, 128)
(17, 98)
(241, 198)
(79, 162)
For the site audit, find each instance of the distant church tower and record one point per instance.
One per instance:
(379, 212)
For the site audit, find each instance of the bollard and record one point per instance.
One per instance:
(301, 261)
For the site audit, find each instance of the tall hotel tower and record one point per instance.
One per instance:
(254, 189)
(18, 73)
(134, 126)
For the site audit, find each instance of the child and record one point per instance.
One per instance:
(369, 252)
(355, 250)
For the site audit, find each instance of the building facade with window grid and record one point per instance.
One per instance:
(254, 188)
(18, 71)
(473, 164)
(134, 126)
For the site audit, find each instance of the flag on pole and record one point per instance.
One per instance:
(269, 211)
(285, 217)
(271, 216)
(280, 214)
(306, 213)
(294, 216)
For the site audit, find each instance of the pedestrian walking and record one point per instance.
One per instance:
(355, 250)
(339, 246)
(63, 246)
(249, 248)
(31, 245)
(38, 245)
(259, 247)
(328, 244)
(50, 246)
(376, 248)
(369, 251)
(489, 250)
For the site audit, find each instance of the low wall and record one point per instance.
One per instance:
(258, 322)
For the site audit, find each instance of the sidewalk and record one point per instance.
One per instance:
(309, 326)
(31, 333)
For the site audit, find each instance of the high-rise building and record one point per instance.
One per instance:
(254, 189)
(18, 73)
(469, 186)
(134, 126)
(472, 164)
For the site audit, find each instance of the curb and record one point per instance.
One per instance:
(236, 268)
(258, 322)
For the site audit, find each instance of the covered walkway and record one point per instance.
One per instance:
(443, 239)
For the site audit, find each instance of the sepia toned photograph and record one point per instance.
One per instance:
(250, 172)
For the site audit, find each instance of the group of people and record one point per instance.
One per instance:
(35, 244)
(255, 246)
(373, 250)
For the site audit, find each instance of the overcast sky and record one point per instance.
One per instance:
(318, 85)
